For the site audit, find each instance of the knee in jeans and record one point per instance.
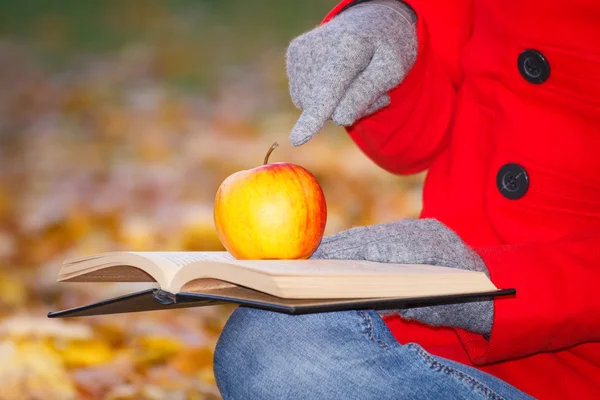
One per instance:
(251, 352)
(269, 355)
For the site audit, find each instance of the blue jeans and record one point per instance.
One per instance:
(342, 355)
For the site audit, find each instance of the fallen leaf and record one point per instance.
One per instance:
(207, 375)
(84, 353)
(12, 290)
(43, 327)
(191, 361)
(97, 381)
(123, 392)
(150, 350)
(33, 370)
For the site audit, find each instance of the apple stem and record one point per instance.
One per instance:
(275, 145)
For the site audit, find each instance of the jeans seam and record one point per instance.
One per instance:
(436, 365)
(369, 327)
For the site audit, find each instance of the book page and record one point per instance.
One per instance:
(183, 258)
(161, 267)
(341, 267)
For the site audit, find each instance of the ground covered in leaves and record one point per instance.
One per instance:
(123, 149)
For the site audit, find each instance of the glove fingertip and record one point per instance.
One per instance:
(304, 130)
(299, 138)
(343, 117)
(380, 103)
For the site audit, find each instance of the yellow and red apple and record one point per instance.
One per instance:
(274, 211)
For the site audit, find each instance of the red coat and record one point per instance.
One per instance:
(499, 83)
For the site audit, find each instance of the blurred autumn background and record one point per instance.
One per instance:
(118, 121)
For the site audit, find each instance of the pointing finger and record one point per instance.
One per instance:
(329, 88)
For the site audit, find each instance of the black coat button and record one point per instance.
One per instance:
(512, 181)
(533, 66)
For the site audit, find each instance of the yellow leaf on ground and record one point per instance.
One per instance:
(123, 392)
(41, 327)
(112, 333)
(207, 376)
(190, 361)
(97, 381)
(85, 353)
(12, 290)
(32, 370)
(156, 349)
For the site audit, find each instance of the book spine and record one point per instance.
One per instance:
(162, 297)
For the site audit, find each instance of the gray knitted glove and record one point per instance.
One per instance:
(416, 241)
(343, 69)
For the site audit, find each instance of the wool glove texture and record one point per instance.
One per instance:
(416, 241)
(343, 70)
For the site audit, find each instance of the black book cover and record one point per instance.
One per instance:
(156, 299)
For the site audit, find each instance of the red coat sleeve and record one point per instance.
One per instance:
(557, 304)
(406, 136)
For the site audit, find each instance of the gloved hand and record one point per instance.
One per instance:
(343, 69)
(416, 241)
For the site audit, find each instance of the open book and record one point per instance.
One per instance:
(190, 279)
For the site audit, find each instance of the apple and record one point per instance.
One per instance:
(274, 211)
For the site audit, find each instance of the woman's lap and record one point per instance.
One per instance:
(349, 355)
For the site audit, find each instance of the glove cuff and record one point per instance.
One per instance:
(474, 317)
